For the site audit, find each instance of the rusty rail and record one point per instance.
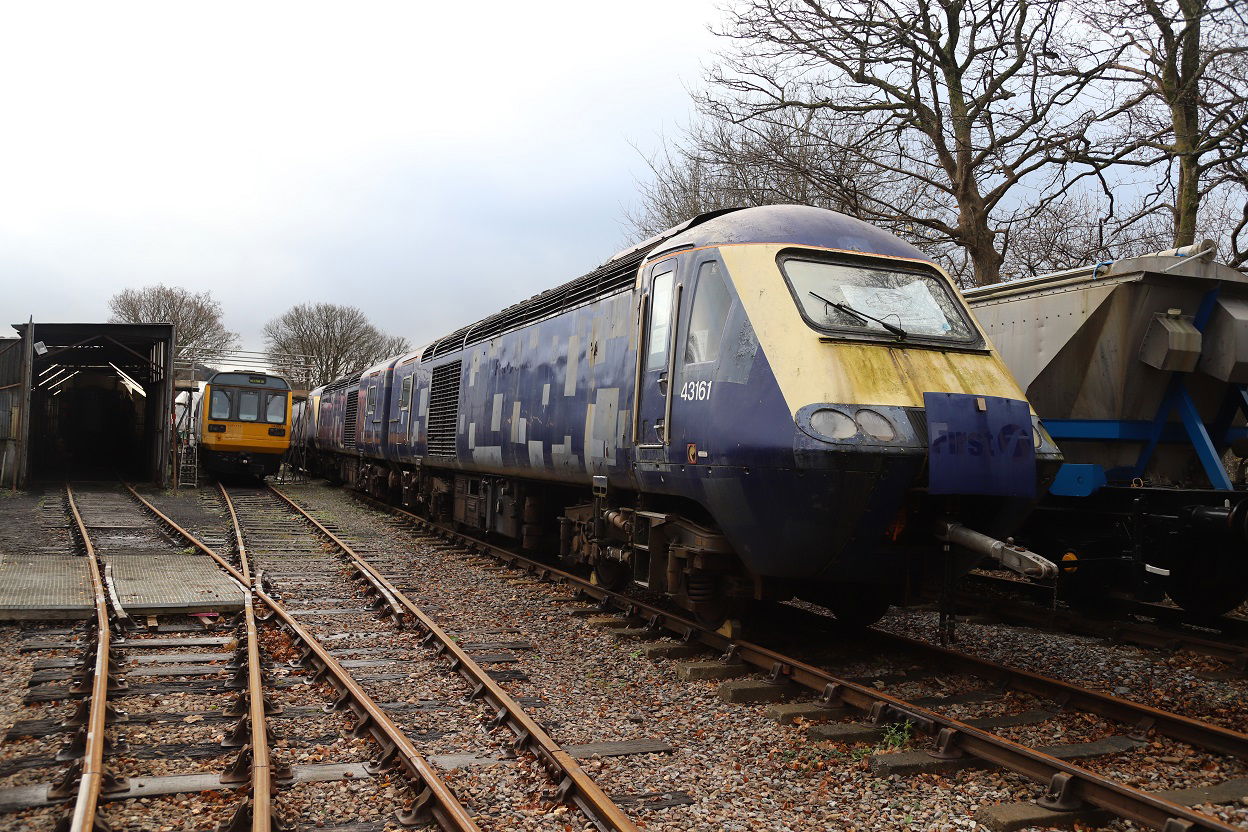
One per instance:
(575, 785)
(1067, 783)
(433, 797)
(255, 760)
(89, 771)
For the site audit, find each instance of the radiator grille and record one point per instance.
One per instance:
(918, 421)
(349, 418)
(444, 408)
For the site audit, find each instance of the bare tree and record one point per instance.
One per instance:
(947, 105)
(1182, 107)
(1077, 229)
(195, 316)
(332, 339)
(717, 164)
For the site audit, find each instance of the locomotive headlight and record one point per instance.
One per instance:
(833, 424)
(876, 425)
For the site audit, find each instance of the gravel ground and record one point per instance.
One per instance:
(1178, 682)
(741, 771)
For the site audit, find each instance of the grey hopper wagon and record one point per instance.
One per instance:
(1137, 368)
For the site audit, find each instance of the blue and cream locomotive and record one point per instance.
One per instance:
(757, 404)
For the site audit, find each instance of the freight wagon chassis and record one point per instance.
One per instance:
(1149, 542)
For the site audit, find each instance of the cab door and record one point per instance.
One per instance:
(658, 322)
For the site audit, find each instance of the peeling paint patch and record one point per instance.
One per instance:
(593, 344)
(545, 395)
(591, 444)
(574, 365)
(606, 409)
(496, 416)
(488, 455)
(515, 422)
(472, 435)
(537, 455)
(561, 456)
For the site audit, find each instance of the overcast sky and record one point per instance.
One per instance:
(428, 163)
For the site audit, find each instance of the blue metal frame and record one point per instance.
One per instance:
(1125, 430)
(1160, 429)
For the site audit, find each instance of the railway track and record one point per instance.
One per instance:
(283, 537)
(233, 781)
(1070, 788)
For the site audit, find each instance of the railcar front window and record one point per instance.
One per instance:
(248, 406)
(846, 297)
(220, 405)
(275, 408)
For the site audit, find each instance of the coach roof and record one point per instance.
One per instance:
(800, 225)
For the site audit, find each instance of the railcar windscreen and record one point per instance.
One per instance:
(248, 405)
(860, 299)
(222, 403)
(275, 408)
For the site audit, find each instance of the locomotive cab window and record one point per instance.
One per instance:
(660, 320)
(857, 299)
(711, 302)
(220, 404)
(248, 405)
(372, 400)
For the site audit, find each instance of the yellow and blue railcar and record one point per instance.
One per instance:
(244, 423)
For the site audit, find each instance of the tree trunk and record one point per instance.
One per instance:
(976, 235)
(985, 258)
(1181, 75)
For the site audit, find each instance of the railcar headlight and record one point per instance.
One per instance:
(277, 431)
(876, 425)
(216, 428)
(833, 424)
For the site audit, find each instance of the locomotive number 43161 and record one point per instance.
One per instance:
(696, 391)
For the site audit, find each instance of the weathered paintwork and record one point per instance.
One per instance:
(555, 400)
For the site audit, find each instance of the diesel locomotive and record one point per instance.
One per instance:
(242, 423)
(756, 404)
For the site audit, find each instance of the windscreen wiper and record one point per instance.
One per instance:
(863, 316)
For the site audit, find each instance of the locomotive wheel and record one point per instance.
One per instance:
(1209, 582)
(611, 575)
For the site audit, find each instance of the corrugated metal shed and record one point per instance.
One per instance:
(86, 399)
